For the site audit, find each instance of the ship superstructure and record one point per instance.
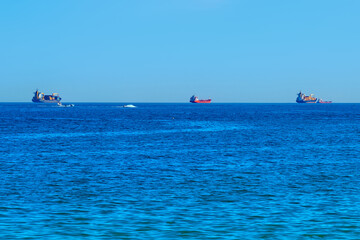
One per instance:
(40, 97)
(302, 98)
(195, 99)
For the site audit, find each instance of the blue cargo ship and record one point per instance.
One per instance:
(40, 97)
(302, 98)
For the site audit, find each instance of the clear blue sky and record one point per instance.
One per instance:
(165, 51)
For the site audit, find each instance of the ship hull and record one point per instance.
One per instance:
(315, 101)
(312, 101)
(201, 101)
(46, 101)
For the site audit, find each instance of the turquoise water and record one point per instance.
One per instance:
(180, 171)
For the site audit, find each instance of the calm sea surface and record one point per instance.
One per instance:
(180, 171)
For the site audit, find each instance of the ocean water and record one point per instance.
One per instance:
(180, 171)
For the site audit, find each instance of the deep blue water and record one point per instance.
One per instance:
(180, 171)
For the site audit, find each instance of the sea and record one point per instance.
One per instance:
(180, 171)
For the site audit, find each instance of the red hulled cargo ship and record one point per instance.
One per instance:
(194, 99)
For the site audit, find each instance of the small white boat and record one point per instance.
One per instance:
(65, 105)
(129, 106)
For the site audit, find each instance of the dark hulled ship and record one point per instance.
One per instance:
(302, 98)
(40, 97)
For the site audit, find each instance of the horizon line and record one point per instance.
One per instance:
(186, 102)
